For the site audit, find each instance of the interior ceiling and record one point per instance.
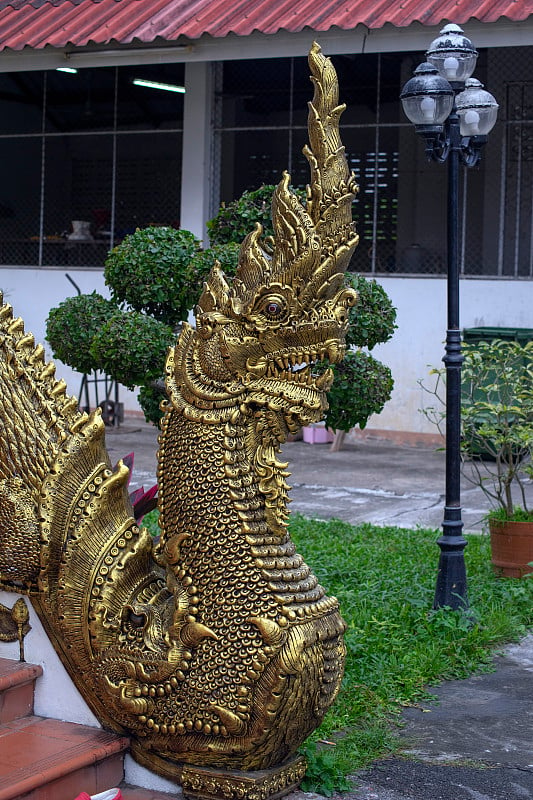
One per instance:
(86, 99)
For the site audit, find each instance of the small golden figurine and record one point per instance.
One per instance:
(14, 624)
(216, 650)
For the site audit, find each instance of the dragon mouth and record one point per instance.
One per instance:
(299, 366)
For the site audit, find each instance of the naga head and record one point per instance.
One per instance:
(258, 339)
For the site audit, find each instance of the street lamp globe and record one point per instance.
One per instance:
(477, 109)
(453, 54)
(427, 98)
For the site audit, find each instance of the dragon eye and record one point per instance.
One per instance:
(273, 309)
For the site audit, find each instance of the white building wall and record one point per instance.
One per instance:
(418, 343)
(33, 292)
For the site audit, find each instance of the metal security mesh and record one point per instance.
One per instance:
(401, 208)
(96, 148)
(89, 147)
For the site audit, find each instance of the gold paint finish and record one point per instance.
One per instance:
(217, 650)
(14, 624)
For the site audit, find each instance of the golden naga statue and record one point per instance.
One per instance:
(216, 649)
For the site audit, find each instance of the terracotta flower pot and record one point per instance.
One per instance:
(512, 547)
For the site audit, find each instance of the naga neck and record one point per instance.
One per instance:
(234, 461)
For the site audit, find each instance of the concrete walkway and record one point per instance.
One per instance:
(476, 741)
(371, 481)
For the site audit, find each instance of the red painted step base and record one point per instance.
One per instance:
(17, 681)
(45, 759)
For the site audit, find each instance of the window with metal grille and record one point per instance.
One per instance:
(88, 146)
(260, 129)
(93, 147)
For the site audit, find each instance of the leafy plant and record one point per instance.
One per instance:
(227, 256)
(373, 318)
(155, 276)
(323, 774)
(143, 502)
(70, 329)
(154, 270)
(361, 384)
(361, 387)
(150, 397)
(237, 219)
(132, 347)
(496, 422)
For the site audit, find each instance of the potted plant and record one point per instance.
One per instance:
(497, 435)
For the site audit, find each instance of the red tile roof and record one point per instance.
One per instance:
(37, 23)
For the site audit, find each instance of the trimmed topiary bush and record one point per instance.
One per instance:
(373, 318)
(361, 387)
(226, 254)
(71, 327)
(235, 220)
(132, 347)
(150, 398)
(154, 270)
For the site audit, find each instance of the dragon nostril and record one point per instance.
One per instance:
(136, 620)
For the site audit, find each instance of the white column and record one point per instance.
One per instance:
(196, 154)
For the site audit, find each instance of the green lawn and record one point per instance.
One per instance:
(397, 646)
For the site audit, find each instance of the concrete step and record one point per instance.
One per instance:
(45, 759)
(17, 682)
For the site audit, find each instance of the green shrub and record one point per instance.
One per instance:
(237, 219)
(226, 254)
(150, 398)
(72, 325)
(154, 270)
(373, 318)
(132, 347)
(361, 387)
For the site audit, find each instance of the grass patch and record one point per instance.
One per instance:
(397, 646)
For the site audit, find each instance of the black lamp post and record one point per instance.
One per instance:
(453, 114)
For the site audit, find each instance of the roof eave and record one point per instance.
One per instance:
(388, 38)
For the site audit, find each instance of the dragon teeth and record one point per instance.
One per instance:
(296, 366)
